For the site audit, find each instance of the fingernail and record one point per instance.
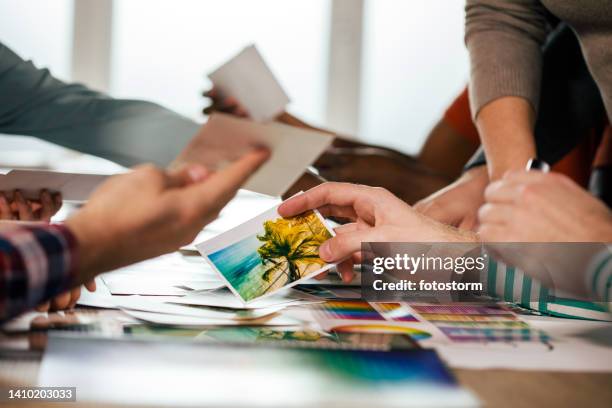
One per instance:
(198, 173)
(325, 252)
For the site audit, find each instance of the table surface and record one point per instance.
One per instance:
(495, 388)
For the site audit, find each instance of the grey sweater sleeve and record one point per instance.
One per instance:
(128, 132)
(503, 38)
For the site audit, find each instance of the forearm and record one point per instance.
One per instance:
(34, 103)
(36, 263)
(506, 130)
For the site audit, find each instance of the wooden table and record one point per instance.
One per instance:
(513, 388)
(499, 388)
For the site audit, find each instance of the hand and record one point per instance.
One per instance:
(19, 208)
(66, 300)
(223, 103)
(306, 181)
(458, 203)
(376, 215)
(369, 165)
(159, 212)
(542, 207)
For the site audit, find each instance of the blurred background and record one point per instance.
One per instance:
(381, 70)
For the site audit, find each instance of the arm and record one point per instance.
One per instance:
(570, 102)
(128, 132)
(162, 211)
(504, 39)
(36, 263)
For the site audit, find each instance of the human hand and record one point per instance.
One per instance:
(22, 209)
(542, 207)
(224, 104)
(403, 175)
(306, 181)
(66, 300)
(160, 211)
(375, 215)
(458, 203)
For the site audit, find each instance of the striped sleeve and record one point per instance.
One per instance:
(512, 285)
(36, 263)
(599, 277)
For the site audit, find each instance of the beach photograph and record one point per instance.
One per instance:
(269, 253)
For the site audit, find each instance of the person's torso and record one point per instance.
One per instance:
(592, 22)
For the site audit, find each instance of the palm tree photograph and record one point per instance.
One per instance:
(279, 253)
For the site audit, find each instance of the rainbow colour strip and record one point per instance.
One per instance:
(349, 310)
(396, 312)
(415, 334)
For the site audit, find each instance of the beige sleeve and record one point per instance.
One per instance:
(504, 39)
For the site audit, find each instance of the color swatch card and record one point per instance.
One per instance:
(73, 186)
(247, 78)
(292, 149)
(480, 323)
(268, 253)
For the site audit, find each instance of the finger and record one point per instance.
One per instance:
(75, 294)
(321, 276)
(503, 191)
(336, 194)
(493, 233)
(91, 285)
(5, 208)
(496, 214)
(47, 207)
(342, 246)
(223, 185)
(189, 174)
(346, 271)
(43, 307)
(211, 93)
(348, 228)
(61, 302)
(468, 222)
(57, 202)
(23, 208)
(241, 112)
(337, 211)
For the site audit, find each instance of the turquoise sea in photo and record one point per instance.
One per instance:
(241, 265)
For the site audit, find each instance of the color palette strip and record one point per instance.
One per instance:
(348, 310)
(396, 312)
(460, 334)
(463, 309)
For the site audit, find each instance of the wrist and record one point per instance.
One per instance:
(91, 245)
(505, 126)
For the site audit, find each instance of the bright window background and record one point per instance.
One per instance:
(414, 64)
(414, 60)
(163, 49)
(39, 30)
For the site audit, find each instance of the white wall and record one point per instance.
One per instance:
(40, 30)
(162, 49)
(414, 64)
(414, 60)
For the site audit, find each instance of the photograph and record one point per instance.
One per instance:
(268, 253)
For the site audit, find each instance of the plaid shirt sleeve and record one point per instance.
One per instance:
(36, 263)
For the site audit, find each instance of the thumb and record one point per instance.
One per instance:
(344, 245)
(187, 175)
(221, 186)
